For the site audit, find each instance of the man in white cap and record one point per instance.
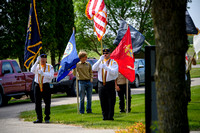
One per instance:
(43, 76)
(107, 73)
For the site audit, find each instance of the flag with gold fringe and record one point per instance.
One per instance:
(33, 42)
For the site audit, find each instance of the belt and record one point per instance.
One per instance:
(108, 81)
(84, 80)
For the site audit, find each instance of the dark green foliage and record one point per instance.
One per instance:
(56, 20)
(137, 13)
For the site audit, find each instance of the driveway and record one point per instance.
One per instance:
(9, 121)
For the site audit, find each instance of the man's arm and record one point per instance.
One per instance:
(50, 74)
(113, 69)
(34, 67)
(95, 67)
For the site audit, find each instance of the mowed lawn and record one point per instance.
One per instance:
(195, 72)
(67, 114)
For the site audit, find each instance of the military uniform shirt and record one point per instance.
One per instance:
(121, 80)
(48, 73)
(84, 71)
(112, 72)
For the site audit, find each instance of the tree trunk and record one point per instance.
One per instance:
(52, 57)
(21, 62)
(171, 46)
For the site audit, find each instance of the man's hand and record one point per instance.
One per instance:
(117, 88)
(103, 66)
(101, 58)
(38, 59)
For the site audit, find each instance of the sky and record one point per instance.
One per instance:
(194, 12)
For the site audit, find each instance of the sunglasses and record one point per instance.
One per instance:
(105, 53)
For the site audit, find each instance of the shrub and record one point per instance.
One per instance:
(137, 127)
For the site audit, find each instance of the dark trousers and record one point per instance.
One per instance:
(46, 96)
(122, 93)
(188, 85)
(107, 96)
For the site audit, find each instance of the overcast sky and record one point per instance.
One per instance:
(194, 12)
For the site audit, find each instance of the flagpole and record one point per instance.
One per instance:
(147, 43)
(190, 63)
(102, 63)
(40, 81)
(77, 92)
(101, 47)
(127, 103)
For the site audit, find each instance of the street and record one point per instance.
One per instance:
(10, 122)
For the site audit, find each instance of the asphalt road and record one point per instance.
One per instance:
(10, 122)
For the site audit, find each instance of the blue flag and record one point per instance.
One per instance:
(33, 42)
(69, 59)
(136, 37)
(190, 27)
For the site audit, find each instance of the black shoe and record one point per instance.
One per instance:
(47, 121)
(111, 119)
(37, 121)
(105, 118)
(89, 112)
(122, 111)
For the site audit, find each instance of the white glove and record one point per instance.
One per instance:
(41, 72)
(101, 58)
(38, 59)
(103, 66)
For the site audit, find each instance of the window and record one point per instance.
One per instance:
(56, 67)
(16, 66)
(140, 63)
(6, 67)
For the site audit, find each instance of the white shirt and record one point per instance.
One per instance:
(112, 70)
(48, 76)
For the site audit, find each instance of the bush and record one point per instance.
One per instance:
(137, 127)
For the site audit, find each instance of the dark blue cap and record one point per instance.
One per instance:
(43, 56)
(106, 50)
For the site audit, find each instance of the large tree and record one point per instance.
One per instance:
(56, 19)
(14, 20)
(171, 46)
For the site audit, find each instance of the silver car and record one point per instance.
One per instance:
(139, 65)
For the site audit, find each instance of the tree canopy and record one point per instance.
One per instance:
(137, 13)
(57, 18)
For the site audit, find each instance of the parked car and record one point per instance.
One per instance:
(68, 84)
(139, 65)
(14, 82)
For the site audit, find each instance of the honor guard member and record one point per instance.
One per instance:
(85, 78)
(107, 73)
(120, 86)
(43, 76)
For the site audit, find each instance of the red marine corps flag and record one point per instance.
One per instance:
(96, 10)
(123, 54)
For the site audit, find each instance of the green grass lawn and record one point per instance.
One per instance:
(195, 73)
(194, 109)
(67, 114)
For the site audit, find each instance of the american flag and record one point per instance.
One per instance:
(96, 11)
